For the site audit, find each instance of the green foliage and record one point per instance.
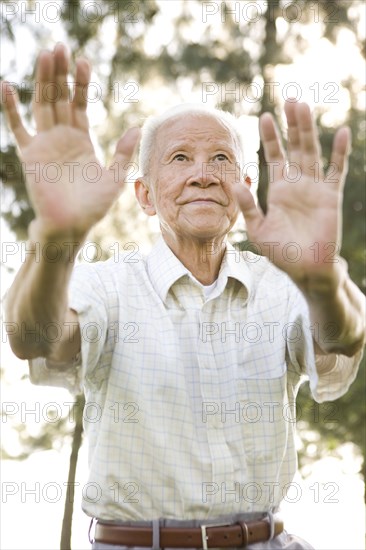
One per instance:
(350, 409)
(18, 213)
(338, 422)
(52, 432)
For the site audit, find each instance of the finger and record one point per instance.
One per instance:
(44, 99)
(10, 101)
(125, 149)
(311, 161)
(272, 146)
(293, 139)
(337, 171)
(252, 213)
(80, 103)
(62, 104)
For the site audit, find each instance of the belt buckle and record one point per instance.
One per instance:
(204, 532)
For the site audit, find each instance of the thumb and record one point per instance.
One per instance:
(252, 213)
(125, 149)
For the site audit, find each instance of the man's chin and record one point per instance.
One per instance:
(209, 228)
(205, 232)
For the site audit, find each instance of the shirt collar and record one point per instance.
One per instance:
(234, 265)
(164, 268)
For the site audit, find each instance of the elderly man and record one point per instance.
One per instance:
(190, 358)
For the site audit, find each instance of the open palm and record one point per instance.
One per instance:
(300, 232)
(69, 189)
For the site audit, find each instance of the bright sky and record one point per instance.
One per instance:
(333, 494)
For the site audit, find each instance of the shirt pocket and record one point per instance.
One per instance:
(261, 361)
(265, 412)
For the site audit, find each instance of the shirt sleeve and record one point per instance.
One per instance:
(88, 298)
(43, 372)
(341, 370)
(336, 382)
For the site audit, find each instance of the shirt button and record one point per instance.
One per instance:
(216, 422)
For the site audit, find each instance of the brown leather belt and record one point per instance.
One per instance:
(234, 535)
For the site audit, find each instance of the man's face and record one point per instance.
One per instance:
(194, 165)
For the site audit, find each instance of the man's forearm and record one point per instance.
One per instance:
(337, 309)
(37, 302)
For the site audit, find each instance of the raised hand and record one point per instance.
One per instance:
(301, 231)
(68, 188)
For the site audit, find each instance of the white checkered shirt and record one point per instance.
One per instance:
(190, 403)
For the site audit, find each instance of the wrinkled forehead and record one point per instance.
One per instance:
(191, 127)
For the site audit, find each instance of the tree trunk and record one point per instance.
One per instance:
(65, 542)
(267, 62)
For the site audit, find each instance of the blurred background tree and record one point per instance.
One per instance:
(147, 55)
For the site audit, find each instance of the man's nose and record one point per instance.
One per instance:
(204, 174)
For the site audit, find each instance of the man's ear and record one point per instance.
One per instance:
(144, 197)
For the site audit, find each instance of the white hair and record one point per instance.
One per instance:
(153, 123)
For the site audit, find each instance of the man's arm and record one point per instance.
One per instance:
(302, 226)
(37, 303)
(65, 209)
(337, 309)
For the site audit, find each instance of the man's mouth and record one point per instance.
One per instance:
(203, 200)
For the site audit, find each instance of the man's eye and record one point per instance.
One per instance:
(180, 157)
(221, 157)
